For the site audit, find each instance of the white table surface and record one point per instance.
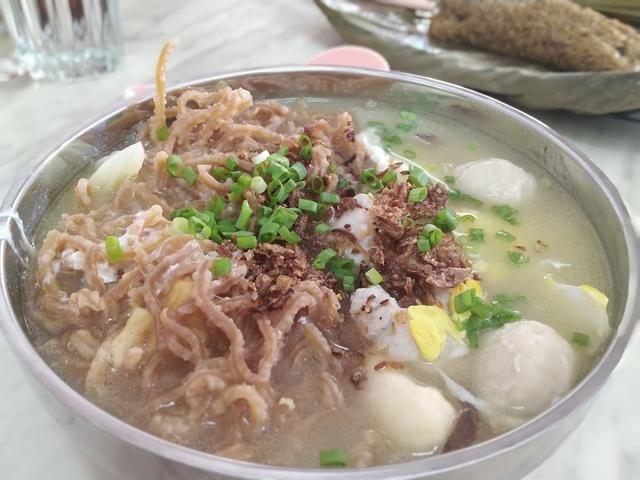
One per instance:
(230, 34)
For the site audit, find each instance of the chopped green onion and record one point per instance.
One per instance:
(289, 236)
(464, 300)
(268, 232)
(226, 225)
(467, 218)
(277, 171)
(431, 233)
(174, 164)
(307, 205)
(394, 139)
(232, 163)
(216, 205)
(404, 126)
(370, 179)
(261, 169)
(476, 235)
(342, 183)
(246, 243)
(180, 225)
(320, 262)
(418, 177)
(190, 175)
(317, 184)
(407, 115)
(390, 176)
(348, 283)
(373, 276)
(300, 170)
(184, 213)
(322, 228)
(306, 152)
(336, 457)
(472, 200)
(276, 191)
(517, 258)
(221, 267)
(284, 151)
(375, 123)
(446, 220)
(244, 180)
(449, 179)
(162, 133)
(258, 185)
(332, 168)
(454, 194)
(506, 236)
(245, 215)
(113, 248)
(423, 245)
(508, 300)
(304, 139)
(278, 158)
(418, 194)
(284, 216)
(220, 173)
(237, 192)
(581, 339)
(481, 307)
(408, 153)
(330, 198)
(290, 186)
(506, 213)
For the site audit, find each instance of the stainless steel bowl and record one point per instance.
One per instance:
(508, 456)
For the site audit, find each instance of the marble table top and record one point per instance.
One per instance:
(225, 35)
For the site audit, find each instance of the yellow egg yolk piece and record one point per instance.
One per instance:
(429, 327)
(600, 298)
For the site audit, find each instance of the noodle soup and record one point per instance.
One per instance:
(317, 284)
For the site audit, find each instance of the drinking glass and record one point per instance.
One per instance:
(63, 39)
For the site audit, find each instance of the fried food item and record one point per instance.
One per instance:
(555, 33)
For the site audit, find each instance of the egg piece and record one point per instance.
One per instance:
(384, 323)
(584, 310)
(495, 180)
(359, 225)
(522, 368)
(430, 327)
(414, 417)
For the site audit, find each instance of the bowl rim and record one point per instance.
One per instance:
(441, 463)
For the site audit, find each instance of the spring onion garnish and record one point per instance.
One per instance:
(276, 191)
(429, 238)
(581, 339)
(476, 235)
(245, 215)
(407, 115)
(349, 283)
(342, 183)
(232, 163)
(446, 220)
(390, 176)
(289, 186)
(336, 457)
(375, 123)
(279, 159)
(244, 180)
(408, 153)
(370, 179)
(517, 258)
(508, 300)
(506, 213)
(268, 232)
(284, 216)
(220, 173)
(308, 206)
(162, 133)
(258, 185)
(320, 262)
(322, 228)
(506, 236)
(284, 151)
(317, 184)
(174, 164)
(190, 175)
(180, 225)
(418, 177)
(423, 245)
(299, 170)
(113, 248)
(216, 205)
(374, 277)
(392, 139)
(221, 267)
(289, 236)
(449, 179)
(237, 192)
(404, 126)
(246, 243)
(330, 198)
(418, 194)
(464, 300)
(260, 158)
(306, 152)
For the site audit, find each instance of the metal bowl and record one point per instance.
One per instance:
(508, 456)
